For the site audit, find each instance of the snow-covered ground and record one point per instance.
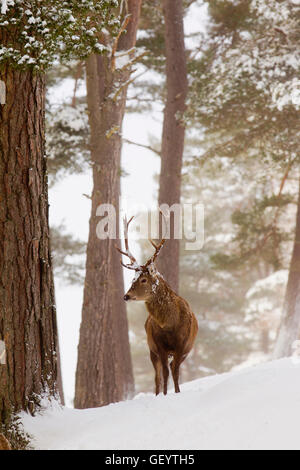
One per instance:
(256, 408)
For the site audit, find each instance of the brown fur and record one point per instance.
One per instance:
(171, 326)
(4, 444)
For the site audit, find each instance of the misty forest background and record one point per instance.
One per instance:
(241, 159)
(224, 97)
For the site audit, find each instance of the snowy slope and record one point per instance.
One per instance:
(257, 408)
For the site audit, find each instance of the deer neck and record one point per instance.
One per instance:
(161, 305)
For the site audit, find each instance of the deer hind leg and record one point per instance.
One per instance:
(157, 367)
(175, 365)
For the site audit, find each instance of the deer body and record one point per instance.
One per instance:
(171, 329)
(171, 326)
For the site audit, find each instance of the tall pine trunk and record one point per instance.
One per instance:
(173, 130)
(27, 306)
(104, 370)
(290, 325)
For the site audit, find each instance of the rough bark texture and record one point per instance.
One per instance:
(27, 310)
(173, 129)
(290, 325)
(104, 370)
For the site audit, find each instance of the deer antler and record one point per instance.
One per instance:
(156, 253)
(134, 264)
(157, 247)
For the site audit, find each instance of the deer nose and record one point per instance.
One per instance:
(126, 297)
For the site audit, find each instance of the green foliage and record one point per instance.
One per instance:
(228, 15)
(38, 32)
(67, 255)
(14, 432)
(231, 95)
(151, 35)
(251, 56)
(149, 92)
(67, 143)
(248, 230)
(259, 234)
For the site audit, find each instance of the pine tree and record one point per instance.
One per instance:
(31, 37)
(244, 93)
(173, 131)
(290, 325)
(104, 370)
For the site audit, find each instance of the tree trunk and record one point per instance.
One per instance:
(27, 310)
(104, 370)
(173, 130)
(265, 340)
(290, 325)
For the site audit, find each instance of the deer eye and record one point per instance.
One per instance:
(143, 281)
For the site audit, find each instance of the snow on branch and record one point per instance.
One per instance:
(265, 57)
(38, 33)
(4, 6)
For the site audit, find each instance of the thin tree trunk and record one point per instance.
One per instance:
(104, 370)
(265, 340)
(290, 325)
(27, 310)
(173, 130)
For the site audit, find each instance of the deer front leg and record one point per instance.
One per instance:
(157, 367)
(175, 365)
(165, 370)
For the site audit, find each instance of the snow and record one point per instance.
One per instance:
(123, 59)
(4, 7)
(256, 408)
(288, 93)
(268, 61)
(72, 117)
(269, 283)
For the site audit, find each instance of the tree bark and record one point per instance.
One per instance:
(290, 325)
(27, 306)
(104, 369)
(173, 130)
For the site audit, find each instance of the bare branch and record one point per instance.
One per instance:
(116, 42)
(147, 147)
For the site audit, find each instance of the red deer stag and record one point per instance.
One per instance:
(171, 326)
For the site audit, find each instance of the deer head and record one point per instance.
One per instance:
(147, 277)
